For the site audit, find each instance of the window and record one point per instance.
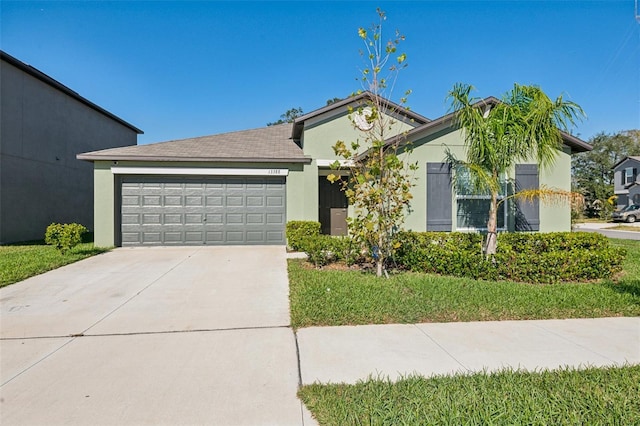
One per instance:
(628, 175)
(473, 208)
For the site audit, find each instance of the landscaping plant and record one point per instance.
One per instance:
(525, 125)
(64, 236)
(380, 177)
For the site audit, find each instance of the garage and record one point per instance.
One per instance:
(196, 210)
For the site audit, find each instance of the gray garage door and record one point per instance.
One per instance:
(209, 210)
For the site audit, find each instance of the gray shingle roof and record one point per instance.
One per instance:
(271, 144)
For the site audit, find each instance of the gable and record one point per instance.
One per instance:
(633, 162)
(318, 131)
(322, 132)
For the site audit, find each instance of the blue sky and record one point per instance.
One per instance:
(184, 69)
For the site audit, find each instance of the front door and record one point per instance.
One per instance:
(333, 207)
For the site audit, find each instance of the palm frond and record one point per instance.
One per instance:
(549, 196)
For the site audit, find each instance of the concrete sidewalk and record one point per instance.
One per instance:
(349, 354)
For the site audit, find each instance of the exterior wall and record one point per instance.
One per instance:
(106, 194)
(42, 130)
(432, 149)
(319, 136)
(556, 217)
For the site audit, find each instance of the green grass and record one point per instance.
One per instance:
(607, 396)
(21, 261)
(329, 297)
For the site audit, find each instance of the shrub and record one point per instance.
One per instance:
(64, 236)
(319, 249)
(299, 230)
(535, 257)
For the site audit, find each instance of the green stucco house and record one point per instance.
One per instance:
(242, 187)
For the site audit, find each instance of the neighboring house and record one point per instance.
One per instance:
(43, 126)
(242, 187)
(626, 182)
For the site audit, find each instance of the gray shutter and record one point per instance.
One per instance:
(439, 201)
(527, 214)
(635, 174)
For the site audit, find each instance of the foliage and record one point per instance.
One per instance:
(288, 117)
(332, 297)
(593, 170)
(325, 249)
(591, 396)
(524, 125)
(534, 258)
(20, 261)
(64, 236)
(333, 101)
(298, 230)
(380, 179)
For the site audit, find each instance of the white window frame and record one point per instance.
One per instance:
(628, 175)
(482, 197)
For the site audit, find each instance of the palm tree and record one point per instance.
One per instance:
(524, 125)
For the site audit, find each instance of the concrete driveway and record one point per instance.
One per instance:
(185, 335)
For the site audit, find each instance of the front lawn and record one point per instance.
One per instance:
(607, 396)
(19, 262)
(330, 297)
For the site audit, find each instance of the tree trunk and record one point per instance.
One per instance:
(380, 259)
(492, 227)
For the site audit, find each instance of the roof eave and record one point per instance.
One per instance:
(89, 157)
(630, 157)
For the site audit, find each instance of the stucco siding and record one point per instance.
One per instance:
(42, 131)
(553, 217)
(556, 217)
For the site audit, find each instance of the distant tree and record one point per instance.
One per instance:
(525, 125)
(380, 177)
(333, 101)
(288, 117)
(593, 171)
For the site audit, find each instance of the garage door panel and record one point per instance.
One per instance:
(275, 218)
(275, 201)
(196, 210)
(255, 219)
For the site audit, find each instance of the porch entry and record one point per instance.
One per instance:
(333, 206)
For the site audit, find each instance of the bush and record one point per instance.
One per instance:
(299, 230)
(64, 236)
(535, 257)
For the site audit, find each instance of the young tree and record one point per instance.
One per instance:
(524, 125)
(380, 180)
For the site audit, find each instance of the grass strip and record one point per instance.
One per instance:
(330, 297)
(19, 262)
(593, 396)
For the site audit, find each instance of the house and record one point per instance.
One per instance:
(626, 182)
(43, 125)
(242, 187)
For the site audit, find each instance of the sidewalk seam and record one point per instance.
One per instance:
(588, 349)
(442, 347)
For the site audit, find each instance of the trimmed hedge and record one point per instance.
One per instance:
(298, 230)
(524, 257)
